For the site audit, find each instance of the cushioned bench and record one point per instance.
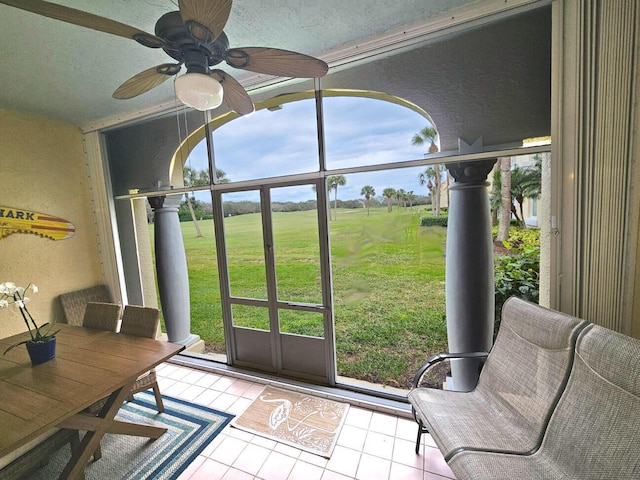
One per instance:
(519, 385)
(558, 398)
(594, 432)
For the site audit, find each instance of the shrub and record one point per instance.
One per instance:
(520, 236)
(431, 221)
(186, 216)
(517, 275)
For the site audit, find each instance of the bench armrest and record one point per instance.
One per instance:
(435, 359)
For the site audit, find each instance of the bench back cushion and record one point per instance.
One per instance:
(530, 362)
(595, 429)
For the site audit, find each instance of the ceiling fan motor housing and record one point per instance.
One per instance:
(183, 47)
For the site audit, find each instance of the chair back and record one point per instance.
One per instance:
(593, 432)
(74, 303)
(140, 321)
(103, 316)
(530, 362)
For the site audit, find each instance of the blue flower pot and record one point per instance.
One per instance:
(41, 352)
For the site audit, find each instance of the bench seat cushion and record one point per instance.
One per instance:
(593, 432)
(458, 420)
(519, 385)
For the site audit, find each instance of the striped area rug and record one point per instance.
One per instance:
(191, 428)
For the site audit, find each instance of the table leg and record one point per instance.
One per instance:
(75, 468)
(90, 423)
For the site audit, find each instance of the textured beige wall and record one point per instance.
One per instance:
(43, 169)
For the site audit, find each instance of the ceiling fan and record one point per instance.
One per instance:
(194, 37)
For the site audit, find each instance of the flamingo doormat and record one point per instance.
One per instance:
(303, 421)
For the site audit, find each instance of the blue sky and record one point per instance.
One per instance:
(358, 131)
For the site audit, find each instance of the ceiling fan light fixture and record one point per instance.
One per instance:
(199, 91)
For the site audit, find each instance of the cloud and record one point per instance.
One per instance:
(358, 132)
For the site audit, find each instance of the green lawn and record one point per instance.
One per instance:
(388, 279)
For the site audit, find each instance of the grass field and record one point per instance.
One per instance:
(388, 280)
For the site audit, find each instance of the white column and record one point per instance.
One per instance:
(171, 269)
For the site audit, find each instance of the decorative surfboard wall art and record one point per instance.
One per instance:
(15, 220)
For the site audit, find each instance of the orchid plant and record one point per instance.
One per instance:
(10, 294)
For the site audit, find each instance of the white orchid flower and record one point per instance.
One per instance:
(8, 288)
(3, 303)
(34, 288)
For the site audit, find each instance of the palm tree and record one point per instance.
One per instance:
(425, 179)
(429, 134)
(533, 182)
(525, 183)
(426, 134)
(506, 201)
(411, 198)
(514, 185)
(389, 193)
(333, 182)
(401, 196)
(368, 191)
(494, 194)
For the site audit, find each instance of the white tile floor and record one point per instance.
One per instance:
(371, 445)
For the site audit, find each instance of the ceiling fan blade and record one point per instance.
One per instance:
(273, 61)
(212, 14)
(235, 96)
(146, 80)
(84, 19)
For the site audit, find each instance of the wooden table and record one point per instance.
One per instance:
(89, 365)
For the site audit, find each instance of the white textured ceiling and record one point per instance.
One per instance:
(69, 72)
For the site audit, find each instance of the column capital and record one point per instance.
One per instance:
(471, 172)
(156, 202)
(165, 202)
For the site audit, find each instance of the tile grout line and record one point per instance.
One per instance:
(178, 373)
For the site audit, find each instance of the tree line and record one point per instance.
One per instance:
(204, 210)
(511, 185)
(194, 209)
